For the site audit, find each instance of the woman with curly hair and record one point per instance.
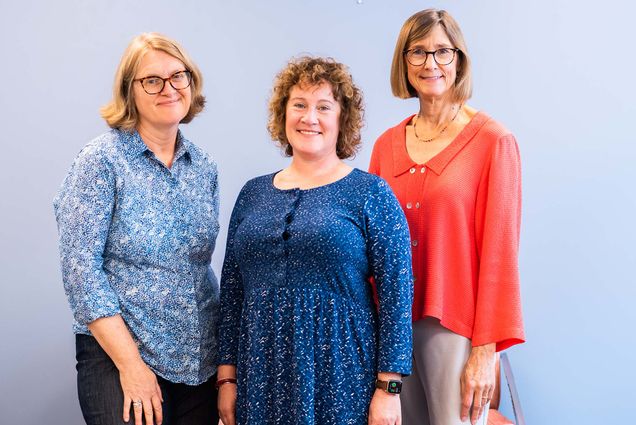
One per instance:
(301, 340)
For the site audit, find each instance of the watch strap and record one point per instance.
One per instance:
(391, 386)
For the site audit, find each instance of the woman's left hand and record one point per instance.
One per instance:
(385, 409)
(478, 381)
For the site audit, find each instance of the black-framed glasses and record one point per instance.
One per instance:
(153, 84)
(417, 56)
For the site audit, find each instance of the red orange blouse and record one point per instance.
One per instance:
(464, 212)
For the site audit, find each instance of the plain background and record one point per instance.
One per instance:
(557, 73)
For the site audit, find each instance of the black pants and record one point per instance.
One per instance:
(101, 397)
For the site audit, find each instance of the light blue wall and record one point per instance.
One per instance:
(558, 73)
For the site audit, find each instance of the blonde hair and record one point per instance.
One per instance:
(417, 27)
(121, 112)
(313, 71)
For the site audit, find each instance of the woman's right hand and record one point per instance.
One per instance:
(227, 403)
(139, 384)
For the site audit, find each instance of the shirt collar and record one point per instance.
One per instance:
(401, 159)
(402, 162)
(133, 145)
(184, 147)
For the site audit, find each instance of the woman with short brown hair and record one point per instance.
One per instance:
(456, 173)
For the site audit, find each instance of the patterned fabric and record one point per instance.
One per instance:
(136, 239)
(297, 311)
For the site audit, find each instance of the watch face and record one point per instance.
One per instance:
(394, 387)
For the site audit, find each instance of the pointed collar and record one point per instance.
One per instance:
(133, 145)
(401, 159)
(184, 147)
(402, 162)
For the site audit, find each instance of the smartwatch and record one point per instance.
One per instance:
(391, 386)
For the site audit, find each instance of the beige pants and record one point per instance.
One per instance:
(431, 395)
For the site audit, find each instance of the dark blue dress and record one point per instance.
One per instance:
(298, 317)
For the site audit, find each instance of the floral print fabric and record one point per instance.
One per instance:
(136, 239)
(298, 317)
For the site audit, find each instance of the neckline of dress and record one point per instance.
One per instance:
(296, 189)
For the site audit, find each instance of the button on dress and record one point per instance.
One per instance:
(298, 317)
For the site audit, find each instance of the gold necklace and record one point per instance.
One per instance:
(438, 134)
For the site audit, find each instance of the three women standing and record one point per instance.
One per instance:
(456, 173)
(138, 219)
(301, 340)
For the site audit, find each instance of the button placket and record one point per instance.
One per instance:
(288, 220)
(289, 217)
(409, 205)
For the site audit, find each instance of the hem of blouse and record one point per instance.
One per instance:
(515, 334)
(452, 325)
(171, 376)
(202, 374)
(175, 378)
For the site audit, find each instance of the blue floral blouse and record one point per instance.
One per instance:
(136, 239)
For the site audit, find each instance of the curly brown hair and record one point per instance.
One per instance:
(312, 71)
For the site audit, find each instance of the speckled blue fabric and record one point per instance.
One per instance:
(136, 238)
(297, 311)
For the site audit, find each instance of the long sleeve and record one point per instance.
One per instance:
(231, 294)
(497, 221)
(83, 211)
(390, 257)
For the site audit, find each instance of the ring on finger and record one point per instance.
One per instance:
(137, 403)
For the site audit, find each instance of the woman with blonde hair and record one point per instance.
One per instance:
(456, 173)
(138, 219)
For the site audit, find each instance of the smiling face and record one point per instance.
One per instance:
(167, 108)
(431, 80)
(312, 118)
